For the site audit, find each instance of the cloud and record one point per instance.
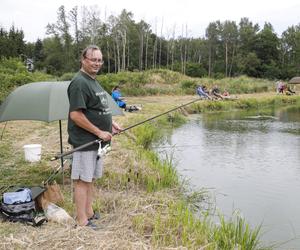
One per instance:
(32, 16)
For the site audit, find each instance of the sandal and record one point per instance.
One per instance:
(96, 216)
(91, 225)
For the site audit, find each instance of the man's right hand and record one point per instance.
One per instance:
(104, 135)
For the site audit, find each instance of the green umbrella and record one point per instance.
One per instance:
(42, 101)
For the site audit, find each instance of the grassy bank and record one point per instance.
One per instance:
(244, 103)
(166, 82)
(142, 201)
(171, 222)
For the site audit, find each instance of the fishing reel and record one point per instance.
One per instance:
(103, 151)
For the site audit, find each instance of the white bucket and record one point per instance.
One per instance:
(32, 152)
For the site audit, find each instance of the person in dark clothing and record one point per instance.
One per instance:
(90, 118)
(216, 92)
(289, 91)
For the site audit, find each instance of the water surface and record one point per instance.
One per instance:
(250, 161)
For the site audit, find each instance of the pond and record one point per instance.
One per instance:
(250, 162)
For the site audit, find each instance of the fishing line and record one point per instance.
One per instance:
(178, 146)
(125, 129)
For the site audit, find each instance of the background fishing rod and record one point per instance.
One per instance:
(125, 129)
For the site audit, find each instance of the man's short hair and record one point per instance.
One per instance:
(88, 48)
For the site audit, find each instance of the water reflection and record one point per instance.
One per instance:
(254, 162)
(263, 120)
(289, 114)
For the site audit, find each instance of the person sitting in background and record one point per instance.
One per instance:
(216, 92)
(280, 87)
(225, 93)
(289, 91)
(202, 92)
(117, 96)
(227, 96)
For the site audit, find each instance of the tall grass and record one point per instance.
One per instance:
(243, 103)
(235, 233)
(175, 225)
(161, 174)
(239, 85)
(146, 134)
(161, 81)
(158, 174)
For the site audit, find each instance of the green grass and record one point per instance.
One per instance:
(146, 134)
(173, 224)
(249, 103)
(166, 82)
(169, 222)
(162, 174)
(235, 233)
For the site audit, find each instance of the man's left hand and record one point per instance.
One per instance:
(116, 129)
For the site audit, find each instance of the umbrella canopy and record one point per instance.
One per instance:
(42, 101)
(295, 80)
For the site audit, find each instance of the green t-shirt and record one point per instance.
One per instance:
(86, 94)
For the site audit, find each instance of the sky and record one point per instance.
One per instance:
(32, 16)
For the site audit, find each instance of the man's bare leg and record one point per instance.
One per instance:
(80, 197)
(89, 201)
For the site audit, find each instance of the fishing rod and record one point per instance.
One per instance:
(122, 131)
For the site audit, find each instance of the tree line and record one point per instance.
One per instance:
(227, 49)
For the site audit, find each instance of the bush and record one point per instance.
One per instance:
(187, 84)
(13, 73)
(195, 70)
(166, 76)
(67, 76)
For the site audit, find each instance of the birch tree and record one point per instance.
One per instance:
(61, 29)
(212, 39)
(229, 35)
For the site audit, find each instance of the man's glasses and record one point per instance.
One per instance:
(94, 60)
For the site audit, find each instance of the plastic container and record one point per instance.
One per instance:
(33, 152)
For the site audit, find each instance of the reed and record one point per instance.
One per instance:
(175, 225)
(146, 134)
(235, 233)
(161, 174)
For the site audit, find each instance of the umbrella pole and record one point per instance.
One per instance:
(61, 151)
(3, 131)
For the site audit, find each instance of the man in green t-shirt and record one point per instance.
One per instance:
(90, 118)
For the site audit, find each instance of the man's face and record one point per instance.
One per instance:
(92, 62)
